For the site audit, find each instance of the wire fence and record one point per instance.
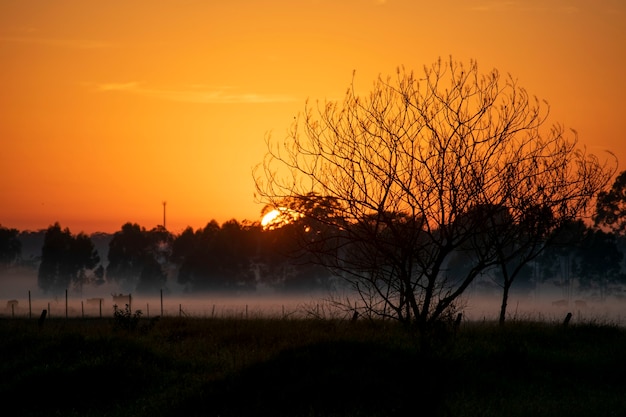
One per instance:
(171, 306)
(249, 307)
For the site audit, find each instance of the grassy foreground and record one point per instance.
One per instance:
(271, 367)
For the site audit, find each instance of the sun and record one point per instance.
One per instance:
(269, 217)
(279, 217)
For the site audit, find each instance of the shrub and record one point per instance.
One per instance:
(125, 319)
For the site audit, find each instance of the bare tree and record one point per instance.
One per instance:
(415, 171)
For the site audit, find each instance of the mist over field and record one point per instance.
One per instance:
(173, 298)
(546, 302)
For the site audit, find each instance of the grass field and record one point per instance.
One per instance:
(307, 367)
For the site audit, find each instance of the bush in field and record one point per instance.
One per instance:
(125, 319)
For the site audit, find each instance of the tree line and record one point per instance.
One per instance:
(244, 257)
(233, 256)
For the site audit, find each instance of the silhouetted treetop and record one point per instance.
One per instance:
(10, 246)
(66, 260)
(611, 206)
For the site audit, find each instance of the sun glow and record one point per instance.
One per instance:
(279, 217)
(269, 218)
(173, 127)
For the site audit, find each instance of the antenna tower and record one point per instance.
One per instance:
(164, 203)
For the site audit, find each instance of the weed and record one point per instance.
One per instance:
(125, 319)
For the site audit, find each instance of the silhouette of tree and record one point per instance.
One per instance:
(31, 242)
(156, 261)
(294, 249)
(127, 251)
(518, 236)
(597, 262)
(10, 247)
(558, 255)
(66, 260)
(216, 258)
(192, 252)
(235, 253)
(152, 277)
(138, 258)
(184, 245)
(611, 206)
(275, 261)
(283, 263)
(408, 162)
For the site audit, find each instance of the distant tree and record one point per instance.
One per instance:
(10, 247)
(292, 248)
(85, 260)
(556, 262)
(276, 267)
(216, 258)
(405, 166)
(285, 265)
(101, 241)
(611, 213)
(32, 242)
(152, 277)
(66, 260)
(236, 252)
(156, 262)
(192, 251)
(127, 251)
(99, 275)
(611, 206)
(597, 262)
(184, 245)
(138, 258)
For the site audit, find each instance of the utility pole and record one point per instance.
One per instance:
(164, 203)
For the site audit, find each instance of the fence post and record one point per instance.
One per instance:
(30, 311)
(161, 302)
(66, 303)
(567, 319)
(42, 318)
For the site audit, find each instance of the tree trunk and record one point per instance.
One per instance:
(505, 298)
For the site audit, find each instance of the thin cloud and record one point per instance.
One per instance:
(493, 6)
(59, 43)
(517, 6)
(118, 87)
(197, 94)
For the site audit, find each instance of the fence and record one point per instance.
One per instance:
(165, 306)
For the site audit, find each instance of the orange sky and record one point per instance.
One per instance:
(108, 108)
